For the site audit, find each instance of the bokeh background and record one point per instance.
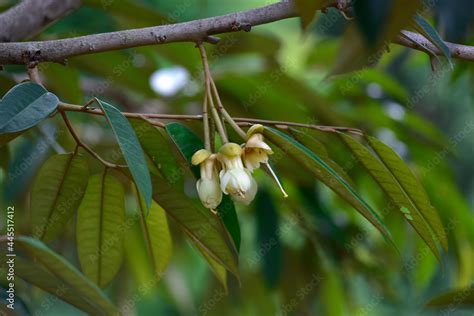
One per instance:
(310, 254)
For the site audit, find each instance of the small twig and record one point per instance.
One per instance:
(207, 75)
(33, 73)
(83, 145)
(205, 117)
(241, 121)
(224, 112)
(205, 121)
(93, 100)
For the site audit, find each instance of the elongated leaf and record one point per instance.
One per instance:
(327, 175)
(268, 238)
(394, 190)
(100, 219)
(197, 222)
(131, 150)
(66, 273)
(355, 54)
(411, 186)
(454, 298)
(156, 235)
(188, 143)
(36, 274)
(430, 33)
(24, 106)
(218, 269)
(57, 193)
(320, 150)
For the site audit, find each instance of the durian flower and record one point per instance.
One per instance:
(208, 186)
(256, 151)
(235, 179)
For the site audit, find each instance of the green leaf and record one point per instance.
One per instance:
(24, 106)
(218, 269)
(454, 298)
(327, 175)
(67, 273)
(188, 143)
(430, 33)
(355, 54)
(100, 219)
(268, 234)
(131, 150)
(320, 150)
(371, 16)
(36, 274)
(411, 186)
(197, 222)
(56, 194)
(156, 235)
(394, 190)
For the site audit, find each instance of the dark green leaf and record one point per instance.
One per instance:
(355, 54)
(24, 106)
(394, 190)
(197, 222)
(56, 194)
(131, 150)
(188, 143)
(100, 221)
(67, 273)
(371, 16)
(327, 175)
(411, 186)
(36, 274)
(320, 150)
(268, 238)
(454, 298)
(430, 33)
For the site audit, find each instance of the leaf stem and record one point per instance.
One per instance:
(79, 143)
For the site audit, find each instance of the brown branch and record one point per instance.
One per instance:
(29, 17)
(419, 42)
(243, 121)
(193, 31)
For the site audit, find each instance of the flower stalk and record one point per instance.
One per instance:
(229, 171)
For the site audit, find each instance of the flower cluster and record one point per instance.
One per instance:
(230, 170)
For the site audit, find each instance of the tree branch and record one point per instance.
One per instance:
(193, 31)
(29, 17)
(419, 42)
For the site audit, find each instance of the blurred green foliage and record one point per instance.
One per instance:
(310, 253)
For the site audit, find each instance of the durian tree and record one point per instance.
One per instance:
(300, 157)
